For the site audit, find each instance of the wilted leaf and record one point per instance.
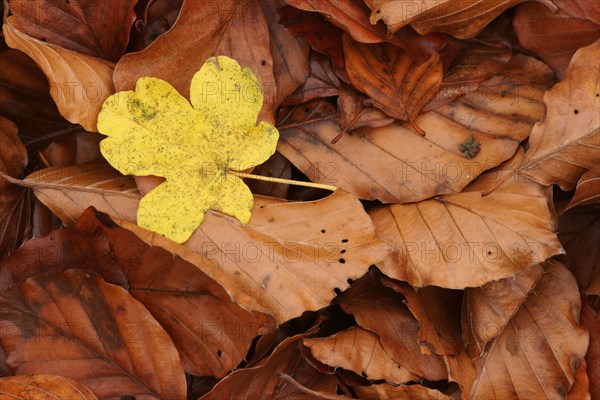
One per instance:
(555, 36)
(356, 111)
(590, 320)
(394, 165)
(155, 131)
(581, 386)
(588, 189)
(579, 233)
(82, 81)
(487, 309)
(43, 387)
(460, 18)
(462, 240)
(233, 28)
(264, 381)
(567, 142)
(95, 28)
(389, 76)
(15, 202)
(381, 310)
(306, 250)
(157, 17)
(73, 324)
(403, 392)
(539, 351)
(360, 351)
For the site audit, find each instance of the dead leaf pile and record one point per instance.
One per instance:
(457, 258)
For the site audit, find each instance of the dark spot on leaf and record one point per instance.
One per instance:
(350, 281)
(343, 251)
(262, 206)
(576, 111)
(470, 147)
(263, 62)
(378, 11)
(271, 219)
(337, 291)
(344, 240)
(219, 353)
(342, 261)
(322, 230)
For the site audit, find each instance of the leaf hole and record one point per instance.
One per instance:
(263, 62)
(343, 251)
(378, 11)
(323, 231)
(344, 240)
(342, 261)
(576, 111)
(219, 352)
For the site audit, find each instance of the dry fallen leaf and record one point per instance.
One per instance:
(75, 325)
(403, 392)
(43, 387)
(587, 191)
(82, 82)
(567, 142)
(460, 18)
(155, 131)
(388, 75)
(463, 239)
(539, 351)
(360, 351)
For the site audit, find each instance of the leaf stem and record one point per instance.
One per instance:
(286, 181)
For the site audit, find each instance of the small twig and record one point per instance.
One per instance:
(304, 389)
(285, 181)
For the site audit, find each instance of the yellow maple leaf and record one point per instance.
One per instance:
(153, 130)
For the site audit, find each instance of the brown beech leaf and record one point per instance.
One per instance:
(322, 82)
(589, 319)
(463, 239)
(99, 29)
(460, 18)
(43, 387)
(193, 309)
(303, 257)
(15, 202)
(403, 392)
(67, 191)
(237, 29)
(355, 111)
(539, 351)
(73, 324)
(567, 142)
(394, 165)
(290, 54)
(264, 381)
(555, 36)
(487, 309)
(389, 76)
(381, 310)
(588, 189)
(82, 82)
(322, 36)
(360, 351)
(579, 233)
(157, 17)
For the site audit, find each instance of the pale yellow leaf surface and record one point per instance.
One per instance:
(153, 130)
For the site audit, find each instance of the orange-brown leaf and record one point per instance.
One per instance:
(73, 324)
(43, 387)
(360, 351)
(587, 191)
(539, 351)
(567, 142)
(82, 82)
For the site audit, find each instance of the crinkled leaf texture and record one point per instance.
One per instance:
(156, 131)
